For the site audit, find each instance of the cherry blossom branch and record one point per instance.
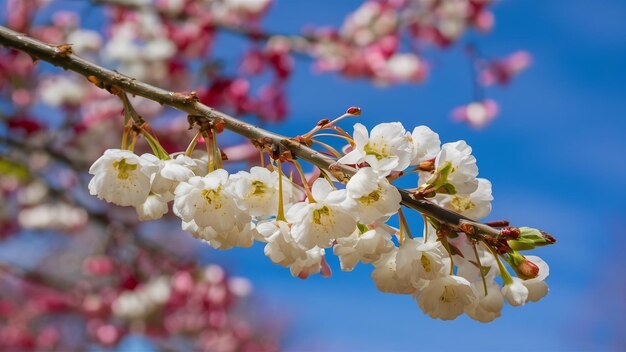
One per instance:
(61, 56)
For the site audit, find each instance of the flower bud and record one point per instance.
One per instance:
(529, 238)
(527, 269)
(523, 267)
(323, 122)
(353, 110)
(510, 232)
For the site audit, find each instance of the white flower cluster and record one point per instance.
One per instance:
(447, 273)
(141, 302)
(136, 304)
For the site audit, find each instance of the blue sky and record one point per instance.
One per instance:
(555, 156)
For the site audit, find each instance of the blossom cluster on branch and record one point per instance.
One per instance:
(449, 270)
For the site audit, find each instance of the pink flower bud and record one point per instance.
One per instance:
(527, 269)
(353, 110)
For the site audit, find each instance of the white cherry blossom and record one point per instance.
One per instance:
(152, 209)
(311, 264)
(488, 307)
(121, 177)
(463, 163)
(257, 191)
(475, 205)
(426, 144)
(385, 148)
(370, 197)
(319, 223)
(536, 289)
(281, 247)
(516, 292)
(241, 235)
(208, 202)
(446, 297)
(386, 277)
(417, 261)
(366, 247)
(467, 266)
(171, 172)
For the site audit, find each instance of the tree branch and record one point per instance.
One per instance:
(61, 57)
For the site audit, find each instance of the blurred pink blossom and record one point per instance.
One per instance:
(478, 114)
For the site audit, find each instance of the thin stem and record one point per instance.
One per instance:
(309, 134)
(133, 140)
(426, 227)
(192, 144)
(401, 234)
(280, 216)
(403, 221)
(305, 183)
(216, 150)
(348, 139)
(506, 277)
(154, 144)
(480, 267)
(325, 175)
(262, 158)
(344, 133)
(129, 111)
(125, 138)
(209, 150)
(447, 247)
(328, 147)
(334, 122)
